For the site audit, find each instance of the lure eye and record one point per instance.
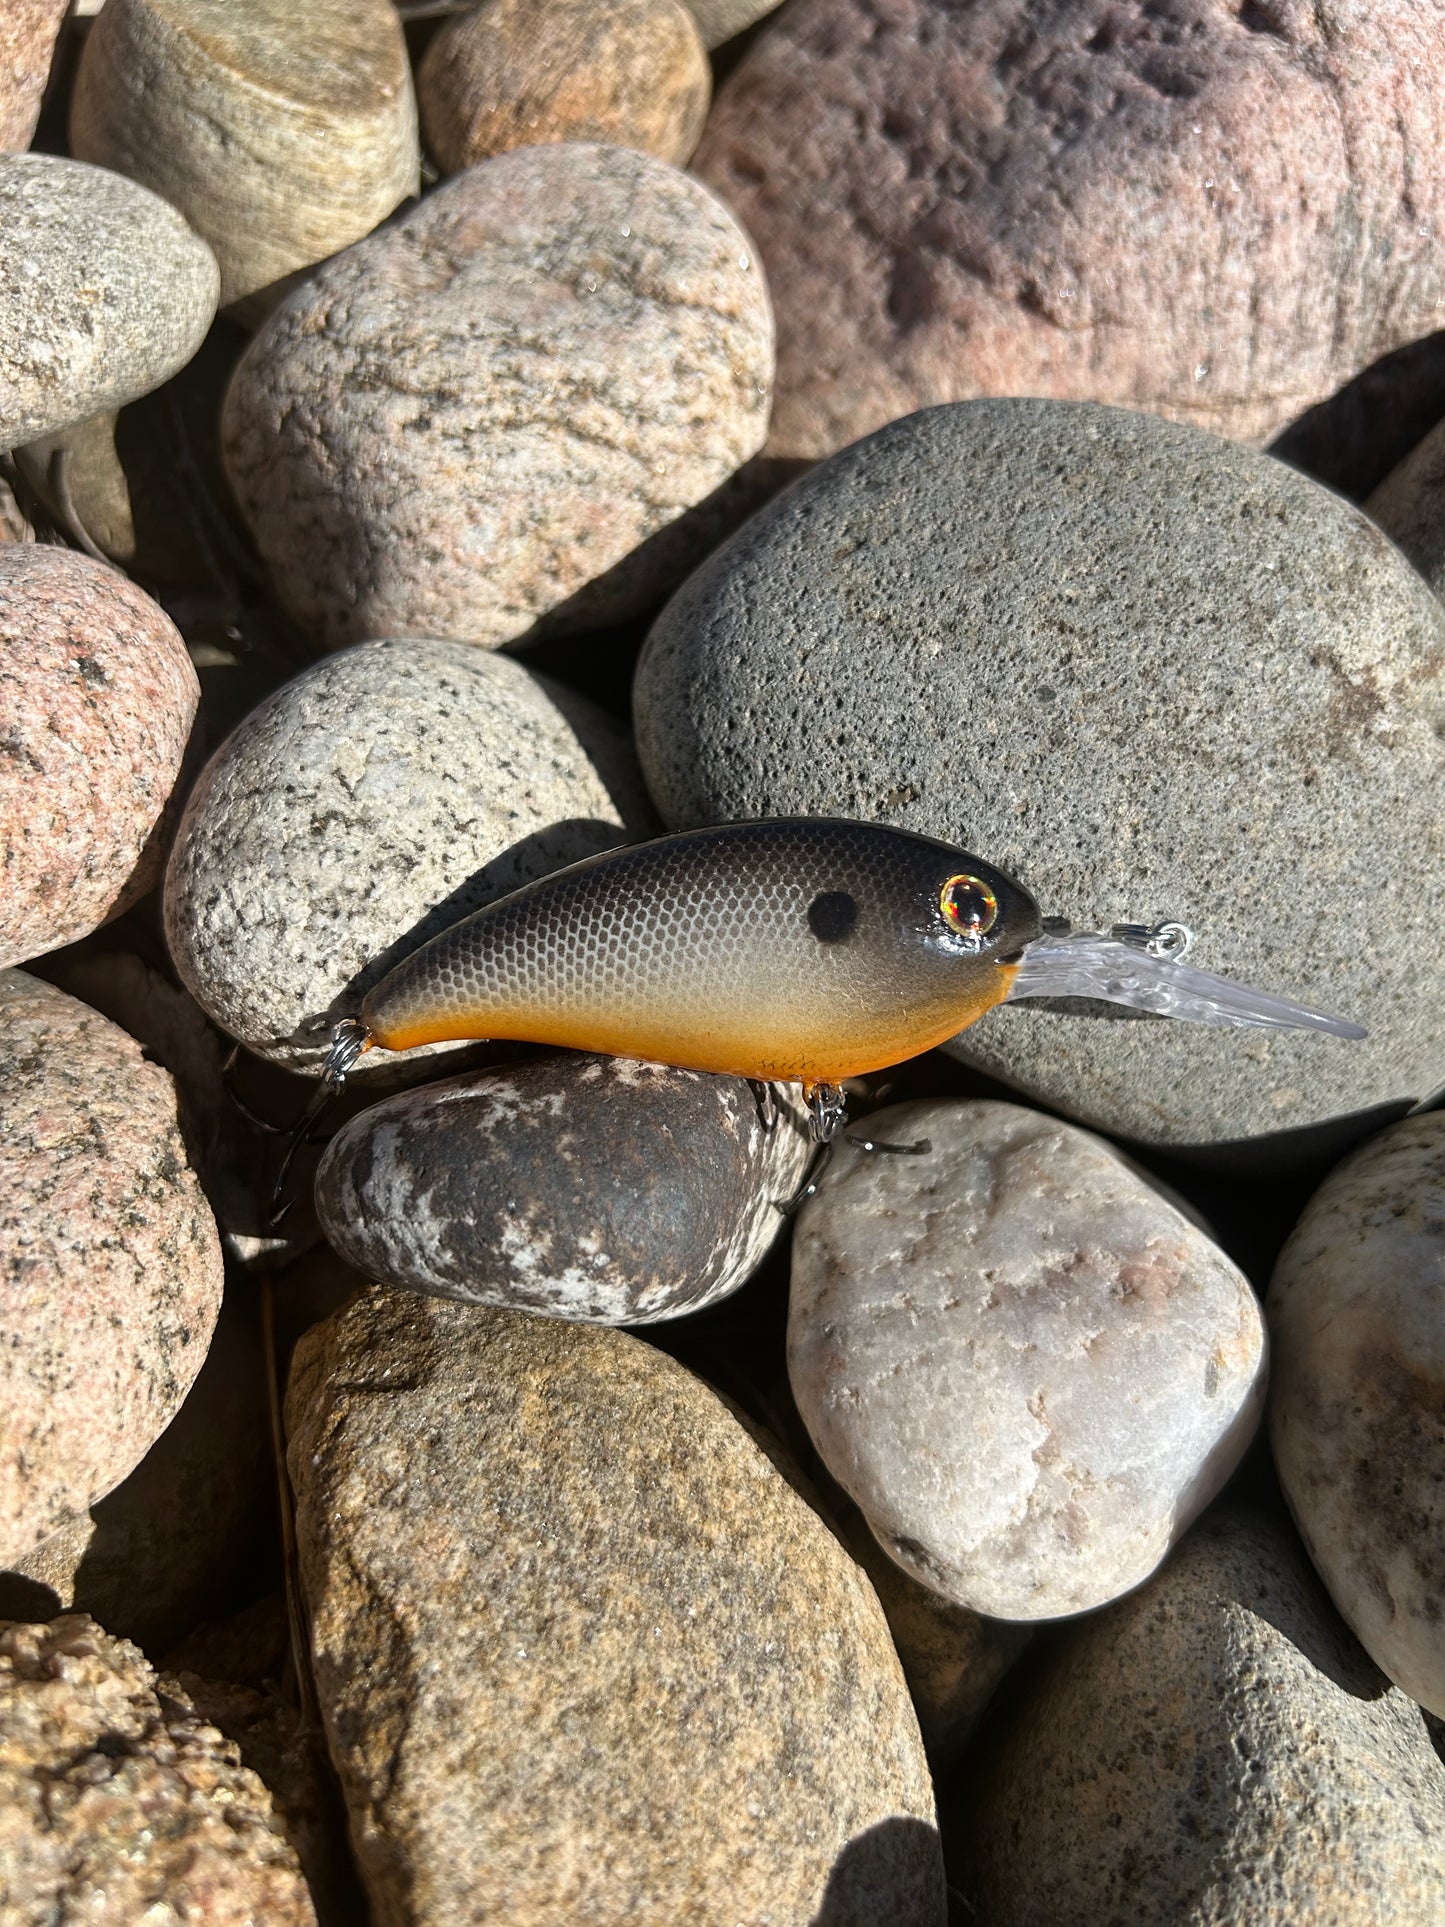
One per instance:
(969, 907)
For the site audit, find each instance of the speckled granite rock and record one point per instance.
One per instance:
(1215, 1750)
(104, 292)
(512, 1526)
(118, 1804)
(282, 133)
(98, 697)
(383, 794)
(110, 1269)
(1154, 675)
(27, 41)
(1409, 505)
(466, 419)
(950, 202)
(1357, 1410)
(590, 1188)
(720, 20)
(1029, 1371)
(512, 73)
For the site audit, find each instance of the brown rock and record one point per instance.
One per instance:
(98, 698)
(1218, 214)
(118, 1804)
(514, 73)
(110, 1268)
(28, 30)
(511, 1527)
(460, 422)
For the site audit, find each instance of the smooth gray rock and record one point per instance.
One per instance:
(1155, 675)
(1025, 1366)
(1357, 1409)
(591, 1188)
(104, 293)
(383, 794)
(1214, 1751)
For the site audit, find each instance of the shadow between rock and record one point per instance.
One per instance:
(891, 1872)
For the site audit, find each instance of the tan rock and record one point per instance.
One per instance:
(28, 30)
(513, 73)
(110, 1267)
(281, 132)
(720, 20)
(716, 1727)
(99, 697)
(118, 1804)
(1215, 1750)
(478, 412)
(1357, 1408)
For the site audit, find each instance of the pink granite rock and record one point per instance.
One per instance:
(98, 697)
(27, 42)
(110, 1266)
(1219, 213)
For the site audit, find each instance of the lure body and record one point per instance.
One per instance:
(805, 949)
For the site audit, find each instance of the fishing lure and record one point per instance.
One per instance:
(794, 949)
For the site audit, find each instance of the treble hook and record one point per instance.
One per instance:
(827, 1114)
(349, 1039)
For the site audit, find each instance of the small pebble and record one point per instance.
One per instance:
(104, 292)
(1357, 1406)
(515, 73)
(1028, 1370)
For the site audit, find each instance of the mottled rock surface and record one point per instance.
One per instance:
(514, 73)
(1028, 1369)
(1409, 505)
(591, 1188)
(720, 20)
(513, 1526)
(110, 1268)
(98, 696)
(380, 796)
(1357, 1409)
(27, 42)
(118, 1804)
(1215, 1750)
(462, 422)
(282, 133)
(1153, 675)
(104, 292)
(950, 201)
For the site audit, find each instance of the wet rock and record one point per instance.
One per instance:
(27, 41)
(282, 133)
(1028, 1370)
(949, 203)
(722, 20)
(1409, 505)
(1357, 1409)
(104, 292)
(515, 73)
(474, 414)
(717, 1728)
(380, 796)
(110, 1267)
(1215, 1749)
(591, 1188)
(117, 1803)
(1152, 674)
(99, 698)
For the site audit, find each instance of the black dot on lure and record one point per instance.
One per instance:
(833, 916)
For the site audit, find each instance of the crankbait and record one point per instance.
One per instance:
(795, 949)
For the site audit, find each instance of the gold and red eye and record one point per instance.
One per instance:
(969, 907)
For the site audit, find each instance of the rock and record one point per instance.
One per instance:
(716, 1725)
(1409, 505)
(282, 133)
(1028, 1370)
(1154, 675)
(110, 1269)
(591, 1188)
(104, 292)
(117, 1803)
(99, 700)
(1357, 1411)
(722, 20)
(28, 30)
(949, 203)
(90, 477)
(471, 416)
(516, 73)
(1216, 1749)
(380, 796)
